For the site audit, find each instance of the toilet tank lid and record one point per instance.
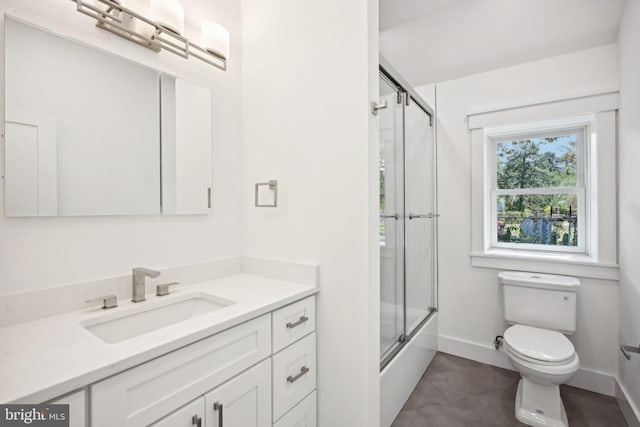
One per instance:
(538, 280)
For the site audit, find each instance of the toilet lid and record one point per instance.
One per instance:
(539, 344)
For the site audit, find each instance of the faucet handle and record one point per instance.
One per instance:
(108, 301)
(163, 289)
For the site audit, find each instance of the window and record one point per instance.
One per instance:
(537, 189)
(544, 187)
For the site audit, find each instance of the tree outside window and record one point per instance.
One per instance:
(537, 188)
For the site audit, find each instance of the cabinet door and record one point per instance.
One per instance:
(191, 415)
(244, 401)
(76, 402)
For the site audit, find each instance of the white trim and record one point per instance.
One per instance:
(627, 406)
(537, 190)
(598, 382)
(571, 107)
(543, 100)
(474, 351)
(544, 262)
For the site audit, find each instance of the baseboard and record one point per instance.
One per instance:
(474, 351)
(587, 379)
(628, 408)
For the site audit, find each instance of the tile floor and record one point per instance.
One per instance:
(460, 392)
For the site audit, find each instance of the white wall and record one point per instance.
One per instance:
(629, 196)
(47, 251)
(307, 124)
(470, 300)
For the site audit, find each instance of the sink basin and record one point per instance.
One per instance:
(151, 316)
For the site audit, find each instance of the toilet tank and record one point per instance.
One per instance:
(541, 300)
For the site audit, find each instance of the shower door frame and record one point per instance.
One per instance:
(399, 242)
(387, 73)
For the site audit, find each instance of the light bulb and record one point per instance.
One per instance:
(215, 38)
(168, 14)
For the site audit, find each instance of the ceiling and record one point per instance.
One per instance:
(429, 41)
(394, 12)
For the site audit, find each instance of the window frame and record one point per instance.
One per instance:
(519, 132)
(601, 261)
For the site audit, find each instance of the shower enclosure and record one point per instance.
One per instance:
(408, 229)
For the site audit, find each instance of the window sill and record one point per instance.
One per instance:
(578, 265)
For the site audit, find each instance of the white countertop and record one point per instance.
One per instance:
(45, 358)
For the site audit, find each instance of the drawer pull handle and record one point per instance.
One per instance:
(303, 319)
(196, 421)
(293, 379)
(218, 407)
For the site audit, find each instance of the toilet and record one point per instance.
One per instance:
(541, 309)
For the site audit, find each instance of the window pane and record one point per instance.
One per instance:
(538, 219)
(537, 162)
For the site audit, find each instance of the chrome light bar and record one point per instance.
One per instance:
(132, 26)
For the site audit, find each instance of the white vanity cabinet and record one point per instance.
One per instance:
(235, 378)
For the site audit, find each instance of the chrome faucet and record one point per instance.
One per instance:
(139, 274)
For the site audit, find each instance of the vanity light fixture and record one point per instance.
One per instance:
(163, 32)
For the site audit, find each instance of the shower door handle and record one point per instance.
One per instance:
(394, 216)
(429, 215)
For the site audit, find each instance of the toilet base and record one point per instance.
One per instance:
(540, 405)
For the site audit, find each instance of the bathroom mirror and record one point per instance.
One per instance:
(82, 129)
(83, 132)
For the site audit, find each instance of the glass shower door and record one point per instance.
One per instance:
(420, 218)
(391, 162)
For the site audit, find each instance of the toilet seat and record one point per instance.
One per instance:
(539, 346)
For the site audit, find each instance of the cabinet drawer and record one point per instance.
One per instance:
(292, 322)
(302, 415)
(144, 394)
(77, 412)
(191, 415)
(294, 374)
